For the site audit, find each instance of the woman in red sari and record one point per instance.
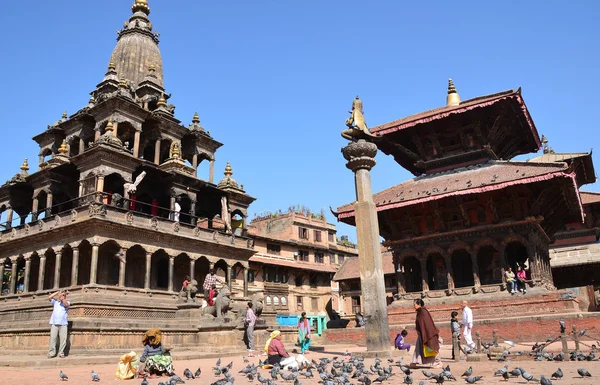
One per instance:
(427, 348)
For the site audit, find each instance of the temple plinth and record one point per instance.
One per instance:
(360, 155)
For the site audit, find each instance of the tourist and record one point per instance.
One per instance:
(510, 280)
(399, 342)
(427, 347)
(156, 359)
(59, 323)
(249, 322)
(521, 280)
(360, 319)
(455, 329)
(303, 333)
(186, 282)
(467, 323)
(177, 210)
(212, 294)
(210, 279)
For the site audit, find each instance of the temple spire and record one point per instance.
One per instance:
(453, 99)
(141, 5)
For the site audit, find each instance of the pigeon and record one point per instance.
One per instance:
(499, 372)
(63, 377)
(218, 362)
(505, 376)
(562, 326)
(473, 379)
(198, 371)
(526, 375)
(144, 382)
(408, 380)
(582, 372)
(297, 382)
(245, 360)
(427, 374)
(515, 372)
(188, 374)
(95, 376)
(545, 381)
(582, 332)
(176, 379)
(468, 372)
(261, 379)
(439, 378)
(558, 374)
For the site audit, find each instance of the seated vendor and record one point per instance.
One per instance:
(275, 349)
(155, 360)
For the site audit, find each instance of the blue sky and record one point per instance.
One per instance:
(273, 80)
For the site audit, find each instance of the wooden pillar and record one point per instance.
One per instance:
(94, 264)
(192, 268)
(99, 187)
(172, 208)
(193, 218)
(245, 282)
(136, 143)
(81, 146)
(211, 174)
(195, 164)
(122, 267)
(27, 274)
(475, 268)
(57, 267)
(450, 274)
(157, 152)
(424, 280)
(171, 265)
(48, 204)
(75, 267)
(229, 280)
(34, 208)
(148, 267)
(42, 271)
(13, 275)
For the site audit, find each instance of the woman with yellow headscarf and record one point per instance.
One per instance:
(275, 349)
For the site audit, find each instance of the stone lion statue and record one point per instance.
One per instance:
(222, 301)
(189, 294)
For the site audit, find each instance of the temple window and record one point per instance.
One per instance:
(302, 233)
(319, 258)
(283, 301)
(355, 304)
(268, 300)
(298, 281)
(317, 236)
(299, 305)
(331, 237)
(284, 277)
(273, 249)
(303, 255)
(314, 304)
(481, 215)
(251, 276)
(314, 280)
(275, 301)
(341, 258)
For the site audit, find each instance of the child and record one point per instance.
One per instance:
(186, 282)
(454, 328)
(399, 342)
(212, 294)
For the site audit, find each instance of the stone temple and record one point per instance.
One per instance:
(117, 213)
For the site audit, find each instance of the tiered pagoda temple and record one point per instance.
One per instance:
(117, 214)
(471, 211)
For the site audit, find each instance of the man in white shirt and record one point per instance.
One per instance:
(59, 322)
(467, 322)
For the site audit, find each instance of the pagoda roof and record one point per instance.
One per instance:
(350, 269)
(581, 162)
(589, 198)
(490, 176)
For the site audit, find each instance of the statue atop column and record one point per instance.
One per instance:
(357, 125)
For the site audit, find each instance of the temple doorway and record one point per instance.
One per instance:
(108, 264)
(412, 274)
(488, 260)
(85, 263)
(181, 269)
(159, 277)
(50, 266)
(516, 255)
(66, 266)
(136, 267)
(462, 268)
(437, 277)
(201, 268)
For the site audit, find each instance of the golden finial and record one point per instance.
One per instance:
(174, 150)
(92, 99)
(141, 5)
(228, 170)
(453, 99)
(63, 147)
(109, 126)
(25, 166)
(196, 118)
(123, 82)
(162, 101)
(64, 115)
(151, 68)
(112, 66)
(545, 144)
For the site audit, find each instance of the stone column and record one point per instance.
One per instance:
(171, 265)
(193, 219)
(1, 276)
(360, 156)
(13, 275)
(42, 271)
(195, 164)
(81, 146)
(40, 160)
(57, 267)
(245, 282)
(424, 277)
(475, 268)
(211, 173)
(99, 187)
(48, 204)
(96, 135)
(94, 264)
(136, 143)
(115, 128)
(34, 208)
(148, 267)
(449, 273)
(172, 208)
(75, 267)
(192, 268)
(229, 280)
(157, 152)
(9, 217)
(122, 266)
(27, 274)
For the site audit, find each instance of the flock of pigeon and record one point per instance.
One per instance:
(353, 370)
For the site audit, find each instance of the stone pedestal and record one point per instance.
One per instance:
(360, 155)
(189, 311)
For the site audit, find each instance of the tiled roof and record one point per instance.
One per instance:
(493, 175)
(325, 268)
(588, 198)
(575, 255)
(350, 268)
(553, 157)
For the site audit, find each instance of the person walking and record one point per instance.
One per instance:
(467, 323)
(249, 322)
(59, 323)
(303, 333)
(427, 347)
(210, 279)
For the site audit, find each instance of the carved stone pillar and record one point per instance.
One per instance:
(35, 204)
(94, 264)
(9, 217)
(171, 265)
(40, 160)
(192, 268)
(450, 274)
(157, 152)
(48, 204)
(195, 164)
(229, 280)
(475, 268)
(13, 275)
(245, 282)
(99, 187)
(115, 128)
(57, 267)
(75, 267)
(424, 275)
(172, 208)
(27, 274)
(81, 146)
(42, 271)
(96, 135)
(122, 266)
(211, 173)
(1, 276)
(148, 267)
(193, 212)
(136, 143)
